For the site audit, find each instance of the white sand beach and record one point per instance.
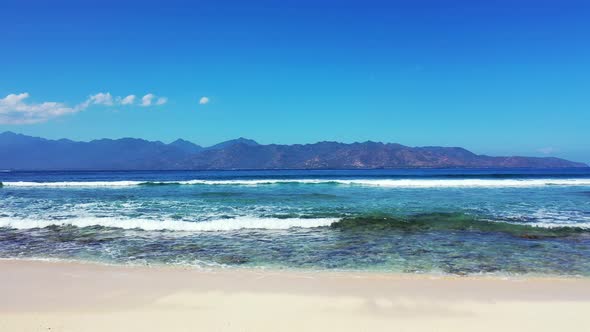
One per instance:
(60, 296)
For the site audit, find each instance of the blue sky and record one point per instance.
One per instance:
(496, 77)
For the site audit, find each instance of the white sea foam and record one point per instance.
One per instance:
(173, 225)
(231, 224)
(73, 184)
(390, 183)
(581, 225)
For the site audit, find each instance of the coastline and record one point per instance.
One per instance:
(72, 296)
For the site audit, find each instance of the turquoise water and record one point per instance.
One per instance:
(418, 221)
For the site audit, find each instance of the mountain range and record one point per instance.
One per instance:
(21, 152)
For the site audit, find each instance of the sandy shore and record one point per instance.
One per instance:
(49, 296)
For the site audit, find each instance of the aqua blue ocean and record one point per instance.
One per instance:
(444, 221)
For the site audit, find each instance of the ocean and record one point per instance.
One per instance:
(434, 221)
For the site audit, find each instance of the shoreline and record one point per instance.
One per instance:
(302, 271)
(86, 296)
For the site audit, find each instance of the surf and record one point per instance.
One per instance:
(424, 222)
(227, 224)
(385, 183)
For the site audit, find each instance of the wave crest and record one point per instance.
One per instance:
(363, 223)
(389, 183)
(172, 225)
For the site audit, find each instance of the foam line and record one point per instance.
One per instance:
(172, 225)
(389, 183)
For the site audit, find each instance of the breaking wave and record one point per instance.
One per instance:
(172, 225)
(363, 223)
(390, 183)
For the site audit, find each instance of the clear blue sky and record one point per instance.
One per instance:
(496, 77)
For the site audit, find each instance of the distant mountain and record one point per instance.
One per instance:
(241, 140)
(21, 152)
(186, 146)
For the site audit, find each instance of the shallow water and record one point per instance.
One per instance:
(426, 221)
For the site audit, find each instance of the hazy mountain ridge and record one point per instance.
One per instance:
(33, 153)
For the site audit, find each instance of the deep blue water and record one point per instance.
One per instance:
(505, 221)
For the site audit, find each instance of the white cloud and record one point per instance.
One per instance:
(101, 99)
(147, 99)
(204, 101)
(13, 99)
(152, 99)
(15, 110)
(161, 101)
(128, 100)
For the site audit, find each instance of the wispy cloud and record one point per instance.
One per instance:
(129, 100)
(161, 101)
(147, 99)
(547, 150)
(152, 99)
(101, 98)
(204, 101)
(15, 108)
